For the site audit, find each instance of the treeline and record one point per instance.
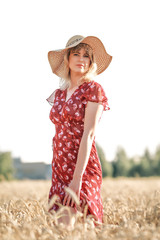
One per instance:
(143, 166)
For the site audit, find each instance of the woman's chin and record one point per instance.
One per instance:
(82, 71)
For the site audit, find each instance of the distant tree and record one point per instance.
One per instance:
(107, 169)
(146, 164)
(134, 168)
(121, 163)
(6, 168)
(156, 165)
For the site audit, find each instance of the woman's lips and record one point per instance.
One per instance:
(80, 65)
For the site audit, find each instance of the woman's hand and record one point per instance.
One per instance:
(75, 186)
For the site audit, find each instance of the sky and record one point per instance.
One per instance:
(129, 31)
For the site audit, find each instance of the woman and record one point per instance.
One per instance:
(77, 107)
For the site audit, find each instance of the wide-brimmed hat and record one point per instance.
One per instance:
(101, 57)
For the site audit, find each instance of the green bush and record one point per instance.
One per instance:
(6, 166)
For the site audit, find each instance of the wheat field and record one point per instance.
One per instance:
(131, 212)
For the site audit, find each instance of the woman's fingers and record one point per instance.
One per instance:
(67, 200)
(64, 200)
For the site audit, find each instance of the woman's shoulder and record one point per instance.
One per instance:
(94, 92)
(93, 85)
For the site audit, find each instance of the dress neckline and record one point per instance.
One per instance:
(65, 91)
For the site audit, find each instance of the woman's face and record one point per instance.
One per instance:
(79, 61)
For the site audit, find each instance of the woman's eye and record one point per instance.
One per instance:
(86, 56)
(75, 54)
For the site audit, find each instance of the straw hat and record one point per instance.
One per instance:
(101, 57)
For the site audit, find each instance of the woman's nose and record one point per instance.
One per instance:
(81, 58)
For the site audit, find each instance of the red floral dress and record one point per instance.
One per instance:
(68, 118)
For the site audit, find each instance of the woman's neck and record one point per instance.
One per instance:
(74, 79)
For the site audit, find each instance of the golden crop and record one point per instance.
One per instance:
(131, 212)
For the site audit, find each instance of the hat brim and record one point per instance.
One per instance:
(101, 57)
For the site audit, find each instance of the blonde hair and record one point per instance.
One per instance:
(65, 82)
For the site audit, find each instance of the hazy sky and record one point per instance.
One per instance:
(130, 33)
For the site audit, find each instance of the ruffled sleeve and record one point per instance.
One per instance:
(52, 97)
(95, 93)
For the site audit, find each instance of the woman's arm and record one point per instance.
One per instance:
(93, 113)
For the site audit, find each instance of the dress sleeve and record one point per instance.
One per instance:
(96, 93)
(52, 97)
